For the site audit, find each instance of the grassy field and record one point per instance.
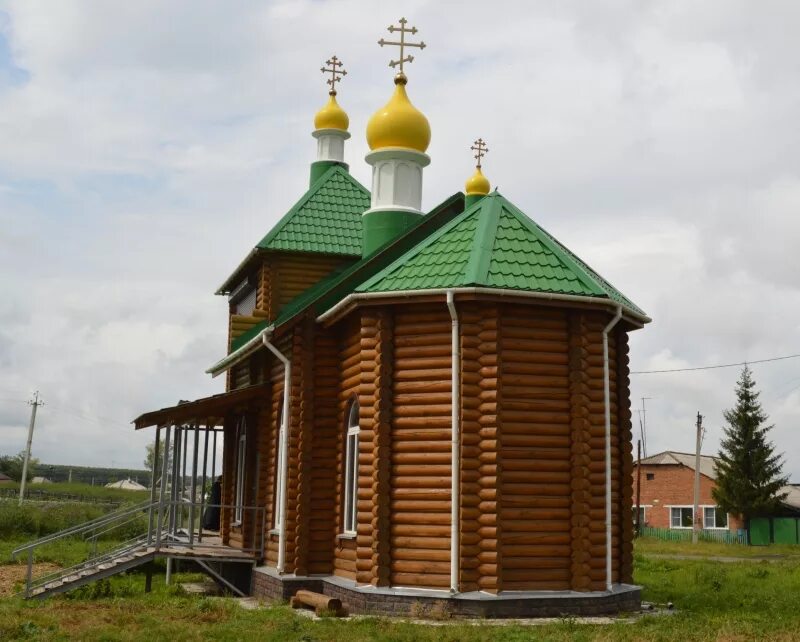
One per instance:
(86, 490)
(747, 600)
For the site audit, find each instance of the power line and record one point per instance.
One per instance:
(724, 365)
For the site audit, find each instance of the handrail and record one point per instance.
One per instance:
(173, 537)
(81, 528)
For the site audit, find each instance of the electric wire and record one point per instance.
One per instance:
(715, 367)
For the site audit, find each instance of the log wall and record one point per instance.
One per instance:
(626, 457)
(377, 410)
(324, 453)
(532, 513)
(420, 447)
(349, 358)
(293, 273)
(535, 449)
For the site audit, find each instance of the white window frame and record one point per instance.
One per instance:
(278, 509)
(241, 473)
(644, 508)
(713, 527)
(690, 507)
(350, 508)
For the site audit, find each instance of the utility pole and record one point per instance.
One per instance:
(23, 482)
(695, 515)
(638, 487)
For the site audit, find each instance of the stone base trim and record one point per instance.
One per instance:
(370, 600)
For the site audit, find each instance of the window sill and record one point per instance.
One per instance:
(274, 531)
(346, 536)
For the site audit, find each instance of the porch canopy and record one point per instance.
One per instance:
(208, 411)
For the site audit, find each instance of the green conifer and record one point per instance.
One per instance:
(749, 472)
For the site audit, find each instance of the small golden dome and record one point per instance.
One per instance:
(477, 184)
(332, 116)
(398, 123)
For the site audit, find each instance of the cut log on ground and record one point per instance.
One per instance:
(319, 602)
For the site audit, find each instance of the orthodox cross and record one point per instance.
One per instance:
(336, 70)
(480, 149)
(402, 30)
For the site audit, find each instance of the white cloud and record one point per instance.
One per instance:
(152, 144)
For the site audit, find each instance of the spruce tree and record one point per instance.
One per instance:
(749, 472)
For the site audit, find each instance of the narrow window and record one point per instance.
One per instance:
(681, 517)
(351, 470)
(650, 476)
(276, 513)
(240, 471)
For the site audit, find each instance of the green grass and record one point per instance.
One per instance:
(736, 601)
(706, 549)
(64, 552)
(36, 519)
(87, 490)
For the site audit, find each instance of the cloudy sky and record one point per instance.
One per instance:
(146, 146)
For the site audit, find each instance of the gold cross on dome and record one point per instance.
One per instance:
(480, 149)
(336, 70)
(402, 30)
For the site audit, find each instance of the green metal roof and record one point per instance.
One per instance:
(333, 288)
(493, 244)
(327, 219)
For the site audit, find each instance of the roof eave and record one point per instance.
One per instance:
(242, 352)
(227, 287)
(345, 305)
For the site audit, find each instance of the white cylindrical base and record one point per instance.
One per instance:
(397, 178)
(330, 144)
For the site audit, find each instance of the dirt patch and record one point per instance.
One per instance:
(12, 574)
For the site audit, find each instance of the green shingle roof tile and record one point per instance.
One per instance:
(493, 244)
(327, 219)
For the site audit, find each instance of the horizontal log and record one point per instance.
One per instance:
(429, 580)
(319, 602)
(421, 554)
(427, 543)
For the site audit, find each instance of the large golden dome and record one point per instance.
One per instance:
(398, 123)
(332, 116)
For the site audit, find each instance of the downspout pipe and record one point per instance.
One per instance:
(607, 404)
(283, 456)
(455, 444)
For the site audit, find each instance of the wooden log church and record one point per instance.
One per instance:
(422, 408)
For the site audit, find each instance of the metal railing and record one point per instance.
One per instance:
(723, 536)
(169, 525)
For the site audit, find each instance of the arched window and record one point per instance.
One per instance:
(351, 470)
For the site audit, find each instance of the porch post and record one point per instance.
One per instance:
(203, 486)
(185, 452)
(194, 483)
(153, 486)
(175, 470)
(162, 490)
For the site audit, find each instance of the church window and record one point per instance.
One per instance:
(276, 513)
(351, 470)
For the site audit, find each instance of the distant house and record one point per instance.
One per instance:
(41, 480)
(126, 484)
(667, 493)
(5, 479)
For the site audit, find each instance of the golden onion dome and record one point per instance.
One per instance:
(398, 123)
(477, 184)
(332, 116)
